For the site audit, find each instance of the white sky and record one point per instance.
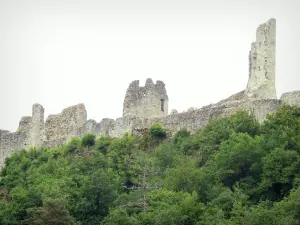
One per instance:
(60, 53)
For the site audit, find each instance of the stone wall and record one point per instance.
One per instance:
(261, 83)
(197, 118)
(24, 128)
(146, 102)
(66, 124)
(71, 122)
(57, 130)
(146, 105)
(9, 143)
(291, 98)
(105, 127)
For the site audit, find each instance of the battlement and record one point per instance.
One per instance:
(146, 101)
(148, 104)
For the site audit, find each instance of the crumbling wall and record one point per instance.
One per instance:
(9, 143)
(105, 127)
(24, 128)
(261, 83)
(146, 105)
(146, 102)
(198, 118)
(89, 126)
(66, 124)
(291, 98)
(3, 132)
(125, 125)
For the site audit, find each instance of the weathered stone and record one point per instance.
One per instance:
(105, 127)
(89, 126)
(146, 102)
(11, 142)
(37, 125)
(66, 124)
(291, 98)
(191, 109)
(146, 105)
(174, 111)
(261, 83)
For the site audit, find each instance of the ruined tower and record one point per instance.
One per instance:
(37, 125)
(148, 101)
(261, 83)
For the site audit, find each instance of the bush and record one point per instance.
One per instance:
(88, 140)
(72, 145)
(180, 135)
(103, 143)
(157, 131)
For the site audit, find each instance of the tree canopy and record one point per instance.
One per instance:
(232, 171)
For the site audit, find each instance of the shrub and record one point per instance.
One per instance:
(103, 143)
(157, 131)
(88, 140)
(72, 145)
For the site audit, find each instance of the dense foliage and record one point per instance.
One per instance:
(232, 171)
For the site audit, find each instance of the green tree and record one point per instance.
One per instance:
(157, 131)
(88, 140)
(53, 212)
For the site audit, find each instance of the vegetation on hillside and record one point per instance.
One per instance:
(232, 171)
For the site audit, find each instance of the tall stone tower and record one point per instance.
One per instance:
(37, 125)
(146, 102)
(261, 83)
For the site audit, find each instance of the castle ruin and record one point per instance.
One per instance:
(144, 105)
(146, 102)
(261, 83)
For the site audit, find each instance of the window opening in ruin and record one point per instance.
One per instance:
(162, 101)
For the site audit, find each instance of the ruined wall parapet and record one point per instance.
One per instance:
(146, 101)
(148, 104)
(66, 123)
(3, 132)
(174, 111)
(11, 142)
(54, 143)
(25, 124)
(291, 98)
(105, 127)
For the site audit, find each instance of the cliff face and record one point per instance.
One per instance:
(148, 104)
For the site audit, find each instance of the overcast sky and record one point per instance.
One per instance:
(63, 52)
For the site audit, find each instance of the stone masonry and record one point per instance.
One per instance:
(261, 83)
(148, 104)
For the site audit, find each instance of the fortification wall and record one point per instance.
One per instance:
(57, 130)
(148, 101)
(197, 118)
(146, 105)
(291, 98)
(65, 124)
(192, 120)
(9, 143)
(105, 127)
(24, 128)
(261, 83)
